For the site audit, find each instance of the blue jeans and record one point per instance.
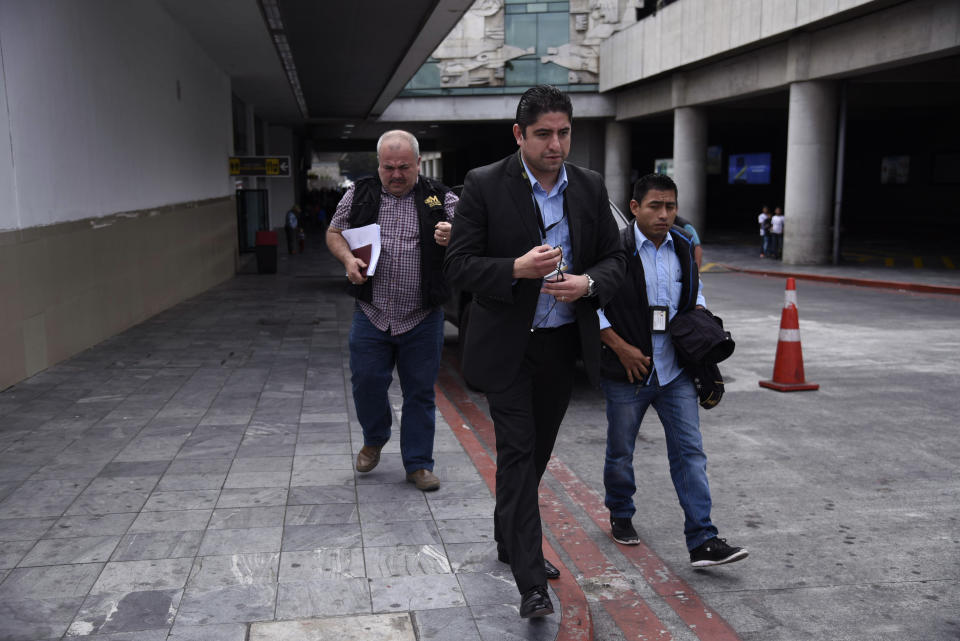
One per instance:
(416, 355)
(676, 405)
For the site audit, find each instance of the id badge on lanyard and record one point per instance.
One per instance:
(659, 319)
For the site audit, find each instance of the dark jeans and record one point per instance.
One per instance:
(416, 355)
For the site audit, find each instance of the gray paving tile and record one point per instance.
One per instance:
(11, 471)
(107, 485)
(215, 632)
(501, 622)
(246, 517)
(239, 541)
(309, 495)
(403, 593)
(199, 466)
(257, 479)
(253, 497)
(340, 445)
(91, 502)
(23, 529)
(322, 563)
(36, 619)
(415, 509)
(265, 448)
(385, 492)
(323, 597)
(90, 525)
(205, 481)
(383, 534)
(84, 549)
(321, 476)
(466, 530)
(161, 501)
(262, 464)
(69, 470)
(7, 488)
(143, 576)
(489, 588)
(135, 635)
(41, 498)
(49, 581)
(151, 449)
(174, 520)
(406, 560)
(12, 551)
(457, 508)
(126, 612)
(158, 545)
(235, 569)
(311, 537)
(321, 514)
(446, 624)
(136, 469)
(392, 627)
(231, 604)
(474, 557)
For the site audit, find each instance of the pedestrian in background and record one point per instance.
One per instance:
(398, 319)
(688, 227)
(764, 220)
(521, 223)
(290, 228)
(776, 232)
(639, 368)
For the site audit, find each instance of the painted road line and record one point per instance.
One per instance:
(591, 561)
(576, 623)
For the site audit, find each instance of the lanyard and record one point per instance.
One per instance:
(536, 205)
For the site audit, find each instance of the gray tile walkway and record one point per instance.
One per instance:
(192, 479)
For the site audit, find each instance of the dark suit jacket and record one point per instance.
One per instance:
(495, 223)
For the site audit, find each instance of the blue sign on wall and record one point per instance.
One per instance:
(749, 169)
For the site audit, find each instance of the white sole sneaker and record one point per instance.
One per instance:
(739, 555)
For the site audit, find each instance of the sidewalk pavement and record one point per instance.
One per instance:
(746, 258)
(192, 478)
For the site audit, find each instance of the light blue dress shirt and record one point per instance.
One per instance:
(661, 268)
(550, 312)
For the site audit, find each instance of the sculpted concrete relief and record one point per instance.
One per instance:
(475, 53)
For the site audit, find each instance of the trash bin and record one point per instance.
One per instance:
(266, 252)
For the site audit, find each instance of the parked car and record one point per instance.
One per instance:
(457, 308)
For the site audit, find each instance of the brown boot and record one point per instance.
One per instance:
(424, 480)
(368, 457)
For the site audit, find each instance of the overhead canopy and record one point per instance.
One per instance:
(351, 57)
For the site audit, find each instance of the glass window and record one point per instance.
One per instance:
(536, 7)
(516, 8)
(553, 30)
(522, 73)
(428, 76)
(560, 6)
(521, 30)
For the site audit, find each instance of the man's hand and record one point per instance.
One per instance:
(441, 233)
(356, 269)
(537, 263)
(634, 361)
(572, 287)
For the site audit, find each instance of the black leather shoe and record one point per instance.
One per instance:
(549, 569)
(535, 603)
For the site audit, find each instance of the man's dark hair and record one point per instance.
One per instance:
(539, 100)
(661, 182)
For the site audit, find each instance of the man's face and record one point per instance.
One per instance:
(399, 167)
(546, 143)
(655, 213)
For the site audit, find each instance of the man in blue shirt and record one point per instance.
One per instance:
(639, 368)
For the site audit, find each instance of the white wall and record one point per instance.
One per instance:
(95, 124)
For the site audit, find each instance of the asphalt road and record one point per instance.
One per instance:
(846, 497)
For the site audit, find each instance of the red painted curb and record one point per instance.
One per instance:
(846, 280)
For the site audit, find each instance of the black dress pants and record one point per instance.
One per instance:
(526, 418)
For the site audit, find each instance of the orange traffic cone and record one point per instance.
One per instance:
(788, 366)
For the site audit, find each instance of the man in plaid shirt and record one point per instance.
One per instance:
(398, 320)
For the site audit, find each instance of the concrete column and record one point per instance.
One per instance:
(690, 163)
(811, 160)
(616, 165)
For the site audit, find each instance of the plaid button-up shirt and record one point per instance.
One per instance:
(397, 304)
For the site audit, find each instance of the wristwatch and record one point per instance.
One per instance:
(591, 286)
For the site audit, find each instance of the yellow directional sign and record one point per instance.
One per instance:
(270, 166)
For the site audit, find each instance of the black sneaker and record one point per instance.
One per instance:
(621, 528)
(716, 552)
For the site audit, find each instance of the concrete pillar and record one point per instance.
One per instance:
(811, 160)
(690, 163)
(616, 165)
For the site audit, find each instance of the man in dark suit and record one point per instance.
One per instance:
(534, 240)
